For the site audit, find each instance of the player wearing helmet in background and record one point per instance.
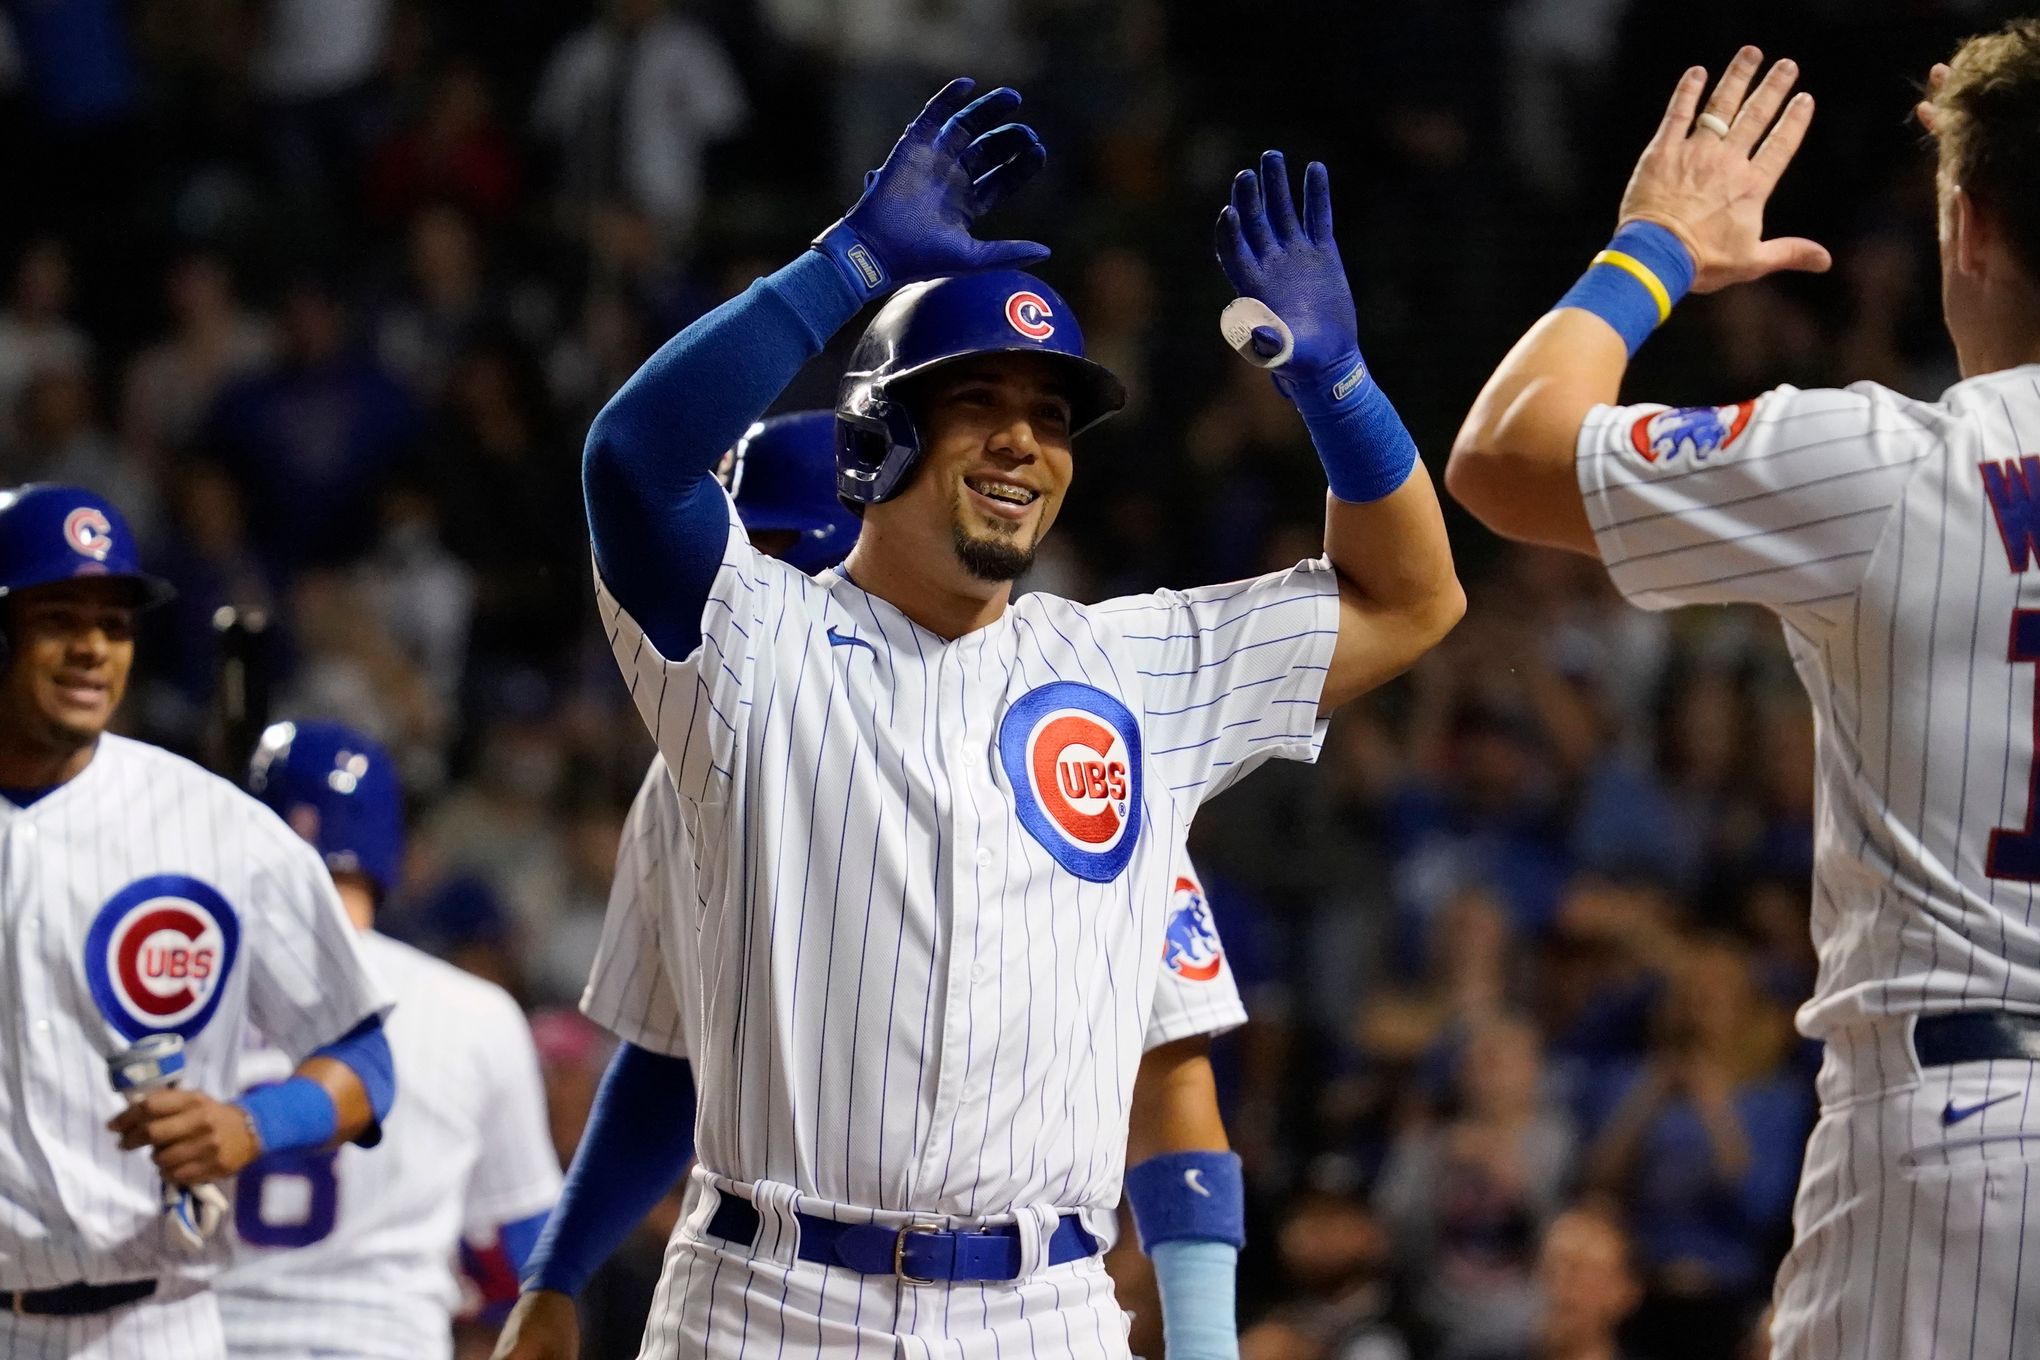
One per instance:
(152, 912)
(1894, 539)
(935, 827)
(344, 1255)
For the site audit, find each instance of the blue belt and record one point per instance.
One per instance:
(1976, 1036)
(920, 1253)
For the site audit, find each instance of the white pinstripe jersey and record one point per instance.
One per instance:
(932, 877)
(1897, 540)
(363, 1243)
(145, 895)
(645, 984)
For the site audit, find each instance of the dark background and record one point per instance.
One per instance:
(324, 294)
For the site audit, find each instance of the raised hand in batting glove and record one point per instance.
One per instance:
(955, 163)
(1292, 267)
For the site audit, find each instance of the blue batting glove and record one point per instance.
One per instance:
(1294, 268)
(955, 163)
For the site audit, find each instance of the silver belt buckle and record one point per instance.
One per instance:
(899, 1251)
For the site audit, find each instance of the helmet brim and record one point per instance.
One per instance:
(1096, 393)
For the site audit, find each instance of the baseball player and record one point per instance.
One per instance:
(934, 828)
(152, 911)
(351, 1255)
(781, 477)
(1894, 538)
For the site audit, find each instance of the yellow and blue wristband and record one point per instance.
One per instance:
(1634, 284)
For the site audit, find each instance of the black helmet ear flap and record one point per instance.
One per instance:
(876, 447)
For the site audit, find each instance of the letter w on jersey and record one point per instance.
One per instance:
(2010, 485)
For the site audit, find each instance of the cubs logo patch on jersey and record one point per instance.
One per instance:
(1072, 754)
(159, 953)
(1190, 947)
(1660, 437)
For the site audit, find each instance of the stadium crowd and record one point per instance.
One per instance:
(324, 294)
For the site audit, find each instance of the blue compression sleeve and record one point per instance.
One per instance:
(519, 1239)
(1196, 1282)
(656, 517)
(365, 1050)
(640, 1134)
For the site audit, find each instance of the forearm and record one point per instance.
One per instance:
(639, 1137)
(1512, 464)
(657, 522)
(341, 1093)
(1184, 1186)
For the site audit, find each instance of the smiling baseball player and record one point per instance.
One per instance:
(782, 479)
(152, 912)
(935, 828)
(1895, 540)
(349, 1254)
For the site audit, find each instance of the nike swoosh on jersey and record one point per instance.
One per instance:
(837, 639)
(1194, 1178)
(1954, 1114)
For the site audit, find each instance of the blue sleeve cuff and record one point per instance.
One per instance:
(1634, 283)
(292, 1116)
(1188, 1197)
(639, 1137)
(1362, 441)
(365, 1050)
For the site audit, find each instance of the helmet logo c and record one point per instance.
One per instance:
(1028, 314)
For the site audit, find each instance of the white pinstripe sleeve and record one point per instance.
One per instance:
(1196, 993)
(692, 705)
(630, 993)
(307, 982)
(1779, 501)
(1231, 674)
(518, 1172)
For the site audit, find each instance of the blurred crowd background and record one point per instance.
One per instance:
(325, 292)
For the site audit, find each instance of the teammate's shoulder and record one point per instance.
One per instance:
(185, 780)
(406, 968)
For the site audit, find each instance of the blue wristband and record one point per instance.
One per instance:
(291, 1116)
(1188, 1197)
(1366, 449)
(853, 259)
(1634, 284)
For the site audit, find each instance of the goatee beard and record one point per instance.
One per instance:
(990, 559)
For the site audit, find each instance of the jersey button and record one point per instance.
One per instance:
(27, 833)
(42, 1027)
(984, 856)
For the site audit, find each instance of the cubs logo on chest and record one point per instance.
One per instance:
(1072, 755)
(159, 954)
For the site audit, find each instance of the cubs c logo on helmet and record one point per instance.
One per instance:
(1662, 436)
(159, 954)
(1028, 314)
(1190, 944)
(1072, 754)
(88, 533)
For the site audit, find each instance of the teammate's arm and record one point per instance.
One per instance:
(658, 521)
(340, 1093)
(639, 1138)
(1187, 1197)
(1692, 217)
(1384, 535)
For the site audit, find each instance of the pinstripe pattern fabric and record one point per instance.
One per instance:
(1865, 520)
(913, 1004)
(72, 1206)
(638, 991)
(466, 1149)
(178, 1324)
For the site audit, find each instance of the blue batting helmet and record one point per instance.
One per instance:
(338, 789)
(926, 325)
(782, 476)
(51, 533)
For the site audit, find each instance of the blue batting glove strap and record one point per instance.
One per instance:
(1365, 447)
(1188, 1196)
(1196, 1282)
(1634, 284)
(955, 162)
(291, 1116)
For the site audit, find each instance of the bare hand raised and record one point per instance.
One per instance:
(1707, 175)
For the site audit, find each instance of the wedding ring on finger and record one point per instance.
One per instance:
(1714, 123)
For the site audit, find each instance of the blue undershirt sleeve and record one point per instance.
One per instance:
(640, 1134)
(658, 521)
